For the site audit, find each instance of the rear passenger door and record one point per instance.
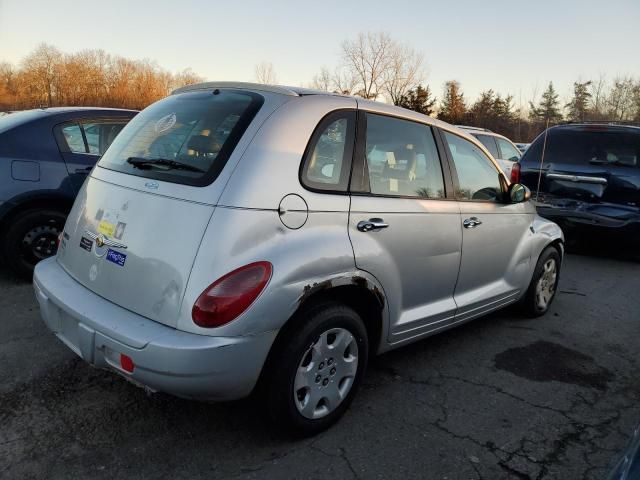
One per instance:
(403, 224)
(495, 258)
(83, 142)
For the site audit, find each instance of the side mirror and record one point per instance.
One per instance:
(518, 193)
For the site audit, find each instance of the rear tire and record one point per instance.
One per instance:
(544, 283)
(311, 379)
(31, 237)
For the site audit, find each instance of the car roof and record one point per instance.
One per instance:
(586, 126)
(260, 87)
(54, 110)
(20, 118)
(480, 131)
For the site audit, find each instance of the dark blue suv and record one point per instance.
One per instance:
(589, 180)
(45, 156)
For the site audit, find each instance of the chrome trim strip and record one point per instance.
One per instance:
(577, 178)
(105, 240)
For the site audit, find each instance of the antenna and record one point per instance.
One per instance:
(544, 147)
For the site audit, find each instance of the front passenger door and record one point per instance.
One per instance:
(495, 262)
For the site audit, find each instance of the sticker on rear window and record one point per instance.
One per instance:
(165, 123)
(86, 244)
(116, 257)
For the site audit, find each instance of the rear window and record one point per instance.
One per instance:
(588, 146)
(185, 138)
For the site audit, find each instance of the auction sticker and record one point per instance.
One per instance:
(107, 225)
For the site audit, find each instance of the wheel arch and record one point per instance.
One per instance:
(45, 201)
(357, 290)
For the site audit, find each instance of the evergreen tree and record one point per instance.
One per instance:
(453, 108)
(548, 109)
(419, 100)
(579, 104)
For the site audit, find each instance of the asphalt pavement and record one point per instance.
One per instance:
(500, 397)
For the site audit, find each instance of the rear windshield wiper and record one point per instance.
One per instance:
(163, 163)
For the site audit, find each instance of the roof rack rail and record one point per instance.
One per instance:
(239, 85)
(631, 123)
(480, 129)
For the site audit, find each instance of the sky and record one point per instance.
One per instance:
(514, 47)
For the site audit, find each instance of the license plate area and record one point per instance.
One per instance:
(76, 335)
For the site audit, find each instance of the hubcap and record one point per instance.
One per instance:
(326, 373)
(40, 241)
(545, 288)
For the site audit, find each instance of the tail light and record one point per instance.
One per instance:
(515, 173)
(58, 240)
(229, 296)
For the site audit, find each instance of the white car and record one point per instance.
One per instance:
(502, 149)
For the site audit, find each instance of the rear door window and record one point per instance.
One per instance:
(489, 142)
(72, 134)
(402, 159)
(88, 136)
(185, 138)
(100, 135)
(509, 152)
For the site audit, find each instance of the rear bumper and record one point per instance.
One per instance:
(165, 359)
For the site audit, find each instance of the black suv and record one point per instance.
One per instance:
(589, 179)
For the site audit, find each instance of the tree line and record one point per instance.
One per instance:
(48, 77)
(373, 65)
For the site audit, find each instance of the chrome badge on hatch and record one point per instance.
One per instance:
(102, 241)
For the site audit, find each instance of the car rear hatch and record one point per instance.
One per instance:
(137, 224)
(586, 168)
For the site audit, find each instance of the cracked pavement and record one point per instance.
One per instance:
(499, 398)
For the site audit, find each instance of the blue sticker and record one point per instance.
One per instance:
(116, 257)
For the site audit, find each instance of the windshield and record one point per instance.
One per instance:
(185, 138)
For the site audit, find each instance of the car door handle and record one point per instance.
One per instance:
(372, 224)
(472, 222)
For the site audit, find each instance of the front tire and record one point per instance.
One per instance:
(316, 369)
(31, 237)
(544, 283)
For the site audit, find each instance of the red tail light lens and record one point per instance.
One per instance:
(515, 173)
(126, 363)
(229, 296)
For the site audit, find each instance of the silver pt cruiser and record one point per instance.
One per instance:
(240, 237)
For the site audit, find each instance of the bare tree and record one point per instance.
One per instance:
(186, 77)
(42, 68)
(404, 72)
(265, 73)
(620, 98)
(341, 81)
(598, 90)
(323, 80)
(368, 58)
